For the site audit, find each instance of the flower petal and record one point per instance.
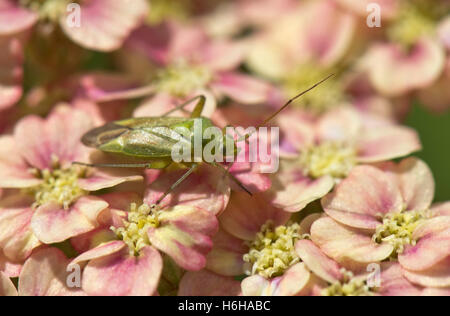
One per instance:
(204, 283)
(242, 88)
(246, 214)
(206, 188)
(393, 283)
(437, 276)
(7, 288)
(52, 224)
(365, 194)
(429, 251)
(105, 23)
(107, 179)
(379, 144)
(14, 19)
(17, 239)
(394, 72)
(184, 234)
(317, 261)
(226, 257)
(45, 274)
(101, 251)
(8, 268)
(119, 274)
(343, 243)
(11, 75)
(14, 171)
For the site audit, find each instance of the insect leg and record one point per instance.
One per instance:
(115, 165)
(179, 181)
(181, 106)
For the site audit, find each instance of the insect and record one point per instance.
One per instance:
(152, 139)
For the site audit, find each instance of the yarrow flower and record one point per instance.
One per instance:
(51, 201)
(124, 258)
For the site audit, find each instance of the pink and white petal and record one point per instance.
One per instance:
(330, 39)
(92, 239)
(11, 61)
(52, 224)
(379, 144)
(317, 261)
(105, 23)
(17, 239)
(7, 288)
(292, 191)
(45, 273)
(436, 292)
(105, 87)
(107, 179)
(14, 19)
(64, 129)
(242, 88)
(120, 274)
(430, 226)
(416, 183)
(341, 124)
(437, 276)
(14, 171)
(294, 280)
(185, 235)
(429, 251)
(9, 268)
(256, 285)
(221, 55)
(444, 32)
(342, 242)
(101, 251)
(246, 214)
(298, 130)
(358, 200)
(226, 257)
(393, 283)
(394, 72)
(205, 283)
(206, 188)
(441, 209)
(306, 223)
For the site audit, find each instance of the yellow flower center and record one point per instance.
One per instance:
(181, 79)
(397, 229)
(58, 185)
(51, 10)
(272, 251)
(167, 9)
(319, 100)
(348, 286)
(335, 159)
(134, 232)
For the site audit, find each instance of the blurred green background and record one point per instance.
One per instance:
(434, 131)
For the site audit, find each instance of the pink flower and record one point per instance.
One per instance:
(127, 261)
(11, 75)
(381, 213)
(183, 71)
(412, 46)
(321, 152)
(54, 203)
(104, 24)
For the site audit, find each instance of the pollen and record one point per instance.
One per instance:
(58, 185)
(397, 229)
(306, 75)
(272, 251)
(50, 10)
(335, 159)
(348, 286)
(134, 232)
(182, 78)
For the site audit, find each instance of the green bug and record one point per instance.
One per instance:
(153, 138)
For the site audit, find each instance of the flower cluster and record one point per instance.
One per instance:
(349, 212)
